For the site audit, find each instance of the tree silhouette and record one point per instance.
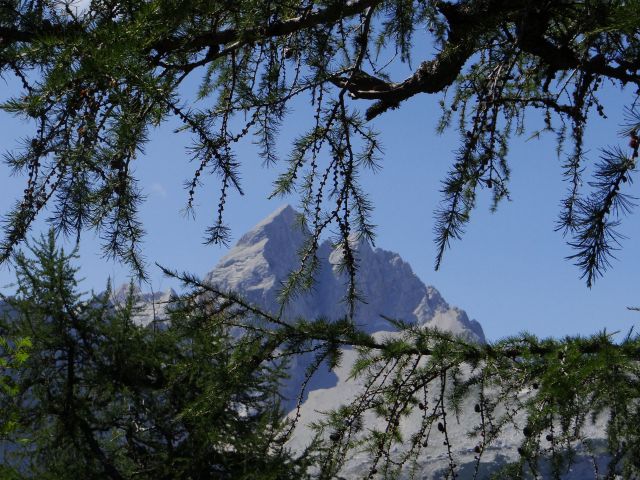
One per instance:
(95, 80)
(102, 396)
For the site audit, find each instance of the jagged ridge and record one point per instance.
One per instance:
(264, 257)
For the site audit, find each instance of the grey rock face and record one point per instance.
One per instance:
(261, 260)
(264, 257)
(433, 459)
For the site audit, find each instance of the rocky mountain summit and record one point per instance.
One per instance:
(261, 261)
(263, 258)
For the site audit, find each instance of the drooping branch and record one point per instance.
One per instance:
(500, 58)
(466, 30)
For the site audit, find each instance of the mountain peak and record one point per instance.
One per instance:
(280, 224)
(265, 256)
(285, 213)
(120, 294)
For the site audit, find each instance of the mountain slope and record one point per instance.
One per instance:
(433, 460)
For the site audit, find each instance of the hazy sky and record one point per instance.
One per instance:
(509, 272)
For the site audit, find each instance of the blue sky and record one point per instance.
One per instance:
(509, 272)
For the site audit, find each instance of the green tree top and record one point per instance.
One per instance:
(95, 80)
(101, 396)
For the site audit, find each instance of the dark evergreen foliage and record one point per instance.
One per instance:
(101, 397)
(96, 79)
